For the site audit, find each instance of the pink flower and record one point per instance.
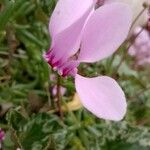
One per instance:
(2, 135)
(141, 47)
(62, 90)
(82, 34)
(53, 89)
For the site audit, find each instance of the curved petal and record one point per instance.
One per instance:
(102, 96)
(66, 13)
(137, 7)
(104, 32)
(66, 24)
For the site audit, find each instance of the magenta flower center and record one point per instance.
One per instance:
(63, 65)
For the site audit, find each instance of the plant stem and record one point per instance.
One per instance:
(15, 138)
(126, 52)
(58, 102)
(6, 55)
(138, 16)
(141, 92)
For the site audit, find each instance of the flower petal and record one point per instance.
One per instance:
(66, 24)
(132, 51)
(137, 7)
(143, 38)
(66, 13)
(102, 96)
(104, 32)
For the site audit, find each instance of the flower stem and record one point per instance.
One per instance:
(126, 52)
(138, 16)
(58, 102)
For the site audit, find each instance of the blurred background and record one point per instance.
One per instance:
(29, 118)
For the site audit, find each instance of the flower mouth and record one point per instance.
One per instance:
(64, 66)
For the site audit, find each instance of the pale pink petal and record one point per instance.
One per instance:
(137, 30)
(102, 96)
(66, 13)
(132, 51)
(143, 37)
(66, 25)
(105, 31)
(62, 90)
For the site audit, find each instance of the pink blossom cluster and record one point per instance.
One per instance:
(140, 50)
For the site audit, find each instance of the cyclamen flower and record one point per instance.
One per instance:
(82, 34)
(141, 47)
